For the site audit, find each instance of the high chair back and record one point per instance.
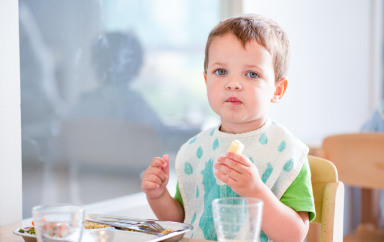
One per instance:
(359, 158)
(328, 193)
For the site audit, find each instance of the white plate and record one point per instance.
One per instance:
(111, 234)
(27, 237)
(118, 235)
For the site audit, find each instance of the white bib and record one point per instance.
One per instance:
(277, 154)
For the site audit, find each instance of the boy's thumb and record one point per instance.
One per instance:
(166, 159)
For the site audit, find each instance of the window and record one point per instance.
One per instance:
(105, 86)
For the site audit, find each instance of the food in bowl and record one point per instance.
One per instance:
(92, 225)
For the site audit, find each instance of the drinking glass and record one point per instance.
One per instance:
(58, 222)
(237, 218)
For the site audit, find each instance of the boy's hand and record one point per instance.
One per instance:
(155, 178)
(238, 172)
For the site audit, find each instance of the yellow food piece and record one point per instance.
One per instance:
(236, 147)
(92, 225)
(167, 231)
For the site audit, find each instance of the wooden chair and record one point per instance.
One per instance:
(328, 193)
(359, 158)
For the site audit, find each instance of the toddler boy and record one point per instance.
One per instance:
(246, 61)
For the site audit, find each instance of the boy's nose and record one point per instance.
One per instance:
(233, 85)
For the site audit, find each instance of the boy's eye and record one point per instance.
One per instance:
(220, 72)
(252, 74)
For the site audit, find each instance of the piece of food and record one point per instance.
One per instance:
(92, 225)
(167, 231)
(236, 147)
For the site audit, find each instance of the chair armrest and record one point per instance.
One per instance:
(333, 212)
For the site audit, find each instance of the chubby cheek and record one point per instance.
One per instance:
(211, 95)
(260, 102)
(214, 96)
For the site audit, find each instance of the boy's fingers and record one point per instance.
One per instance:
(226, 178)
(156, 178)
(224, 161)
(165, 166)
(147, 185)
(166, 158)
(228, 171)
(238, 158)
(223, 168)
(155, 172)
(222, 177)
(158, 162)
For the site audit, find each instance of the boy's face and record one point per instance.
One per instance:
(241, 83)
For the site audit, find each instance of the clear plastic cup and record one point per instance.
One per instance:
(58, 222)
(237, 218)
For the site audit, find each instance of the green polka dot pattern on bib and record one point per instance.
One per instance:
(267, 173)
(263, 139)
(193, 140)
(215, 144)
(197, 192)
(212, 191)
(288, 165)
(188, 168)
(194, 218)
(251, 159)
(212, 132)
(199, 152)
(282, 146)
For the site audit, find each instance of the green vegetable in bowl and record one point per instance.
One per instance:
(28, 230)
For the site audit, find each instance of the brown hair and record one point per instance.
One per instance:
(254, 27)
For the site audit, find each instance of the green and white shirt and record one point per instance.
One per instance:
(280, 158)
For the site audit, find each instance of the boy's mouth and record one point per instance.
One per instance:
(234, 101)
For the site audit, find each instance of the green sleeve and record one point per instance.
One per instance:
(178, 195)
(299, 195)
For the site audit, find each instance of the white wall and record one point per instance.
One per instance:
(334, 75)
(10, 133)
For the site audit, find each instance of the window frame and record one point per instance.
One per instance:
(10, 123)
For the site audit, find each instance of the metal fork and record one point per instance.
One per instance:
(155, 225)
(150, 223)
(121, 225)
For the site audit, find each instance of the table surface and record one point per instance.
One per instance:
(7, 235)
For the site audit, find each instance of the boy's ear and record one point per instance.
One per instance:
(205, 77)
(281, 87)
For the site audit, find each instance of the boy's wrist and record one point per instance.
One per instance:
(260, 192)
(157, 198)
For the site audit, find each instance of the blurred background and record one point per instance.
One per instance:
(108, 84)
(105, 87)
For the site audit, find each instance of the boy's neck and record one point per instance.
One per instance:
(240, 128)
